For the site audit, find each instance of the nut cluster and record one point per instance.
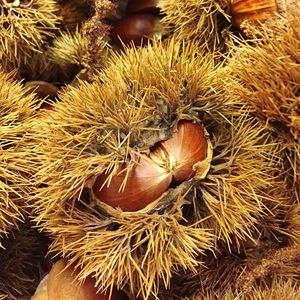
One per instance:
(170, 162)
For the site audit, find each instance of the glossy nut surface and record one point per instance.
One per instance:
(142, 6)
(134, 189)
(62, 286)
(136, 185)
(134, 29)
(184, 149)
(252, 10)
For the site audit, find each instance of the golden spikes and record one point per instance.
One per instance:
(266, 76)
(130, 107)
(68, 48)
(16, 110)
(69, 53)
(94, 128)
(278, 289)
(201, 21)
(135, 250)
(25, 28)
(231, 192)
(275, 104)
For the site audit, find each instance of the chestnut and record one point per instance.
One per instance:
(142, 6)
(259, 11)
(143, 183)
(170, 161)
(134, 29)
(62, 285)
(184, 149)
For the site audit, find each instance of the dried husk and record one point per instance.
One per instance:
(250, 264)
(23, 262)
(266, 75)
(278, 289)
(42, 67)
(25, 29)
(69, 52)
(132, 105)
(96, 30)
(21, 248)
(204, 22)
(17, 108)
(68, 48)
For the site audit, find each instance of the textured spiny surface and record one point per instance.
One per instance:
(277, 290)
(25, 26)
(266, 75)
(132, 105)
(258, 268)
(22, 263)
(69, 48)
(16, 109)
(201, 21)
(97, 30)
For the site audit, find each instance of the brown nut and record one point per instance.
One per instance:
(260, 10)
(142, 6)
(62, 285)
(171, 160)
(134, 29)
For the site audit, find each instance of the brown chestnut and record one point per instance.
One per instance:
(62, 285)
(43, 89)
(134, 189)
(184, 149)
(169, 161)
(259, 11)
(134, 29)
(142, 6)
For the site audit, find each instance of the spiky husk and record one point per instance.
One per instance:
(259, 266)
(133, 104)
(282, 263)
(270, 253)
(220, 272)
(266, 75)
(202, 21)
(279, 289)
(24, 29)
(282, 221)
(23, 263)
(68, 48)
(16, 111)
(42, 68)
(68, 54)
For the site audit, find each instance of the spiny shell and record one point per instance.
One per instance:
(25, 27)
(133, 104)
